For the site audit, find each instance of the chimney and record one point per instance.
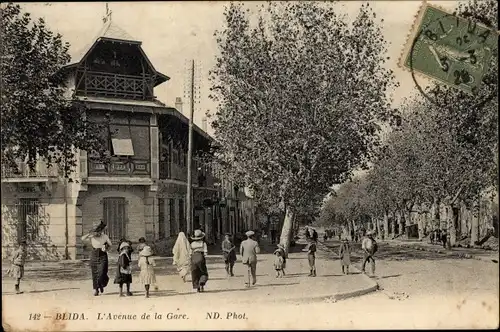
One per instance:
(178, 104)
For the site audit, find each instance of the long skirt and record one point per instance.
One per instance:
(199, 272)
(99, 267)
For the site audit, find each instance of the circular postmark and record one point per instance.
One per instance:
(460, 75)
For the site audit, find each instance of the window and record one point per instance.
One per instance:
(121, 140)
(115, 217)
(30, 219)
(171, 208)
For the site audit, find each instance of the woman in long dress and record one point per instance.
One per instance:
(99, 257)
(181, 255)
(199, 272)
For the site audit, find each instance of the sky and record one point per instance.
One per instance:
(174, 32)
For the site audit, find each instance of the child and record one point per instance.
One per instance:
(281, 248)
(124, 271)
(345, 255)
(146, 264)
(130, 250)
(278, 263)
(142, 244)
(17, 267)
(311, 256)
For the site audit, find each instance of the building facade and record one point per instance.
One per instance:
(141, 192)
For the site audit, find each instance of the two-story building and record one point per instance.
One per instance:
(141, 192)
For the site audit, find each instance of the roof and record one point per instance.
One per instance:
(111, 31)
(143, 105)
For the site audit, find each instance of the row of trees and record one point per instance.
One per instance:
(295, 114)
(443, 156)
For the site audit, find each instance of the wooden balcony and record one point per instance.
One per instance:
(114, 85)
(173, 171)
(23, 173)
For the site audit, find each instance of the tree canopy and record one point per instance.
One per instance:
(296, 114)
(40, 119)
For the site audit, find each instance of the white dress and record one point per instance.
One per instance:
(147, 275)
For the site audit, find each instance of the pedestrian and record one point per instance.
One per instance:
(16, 270)
(369, 247)
(146, 264)
(345, 255)
(142, 244)
(325, 237)
(314, 235)
(281, 248)
(198, 252)
(130, 250)
(311, 257)
(99, 257)
(273, 235)
(249, 249)
(229, 254)
(181, 254)
(124, 269)
(278, 263)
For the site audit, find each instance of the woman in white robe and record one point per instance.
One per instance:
(181, 255)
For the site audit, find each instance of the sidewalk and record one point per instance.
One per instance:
(468, 253)
(62, 282)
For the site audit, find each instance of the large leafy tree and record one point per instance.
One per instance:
(301, 97)
(40, 119)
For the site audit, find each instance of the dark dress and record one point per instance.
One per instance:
(124, 262)
(199, 272)
(99, 267)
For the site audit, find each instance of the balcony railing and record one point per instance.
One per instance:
(22, 171)
(114, 85)
(173, 171)
(120, 167)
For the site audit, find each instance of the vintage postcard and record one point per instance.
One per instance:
(216, 165)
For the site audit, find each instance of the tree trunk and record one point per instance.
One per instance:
(400, 223)
(286, 231)
(386, 225)
(393, 225)
(378, 226)
(474, 232)
(452, 230)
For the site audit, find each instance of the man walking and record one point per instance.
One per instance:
(228, 251)
(369, 246)
(248, 251)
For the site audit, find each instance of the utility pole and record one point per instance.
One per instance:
(189, 208)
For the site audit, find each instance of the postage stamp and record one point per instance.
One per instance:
(449, 49)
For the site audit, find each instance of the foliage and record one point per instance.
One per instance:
(296, 115)
(39, 120)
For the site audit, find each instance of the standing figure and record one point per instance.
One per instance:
(16, 269)
(99, 257)
(311, 257)
(248, 251)
(278, 263)
(229, 253)
(181, 258)
(124, 269)
(199, 272)
(345, 255)
(369, 247)
(281, 248)
(146, 264)
(142, 244)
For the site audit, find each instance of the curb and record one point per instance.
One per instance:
(343, 296)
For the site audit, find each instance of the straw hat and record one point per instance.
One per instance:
(198, 235)
(249, 233)
(146, 251)
(124, 245)
(369, 233)
(281, 246)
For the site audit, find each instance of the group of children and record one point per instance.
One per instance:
(145, 262)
